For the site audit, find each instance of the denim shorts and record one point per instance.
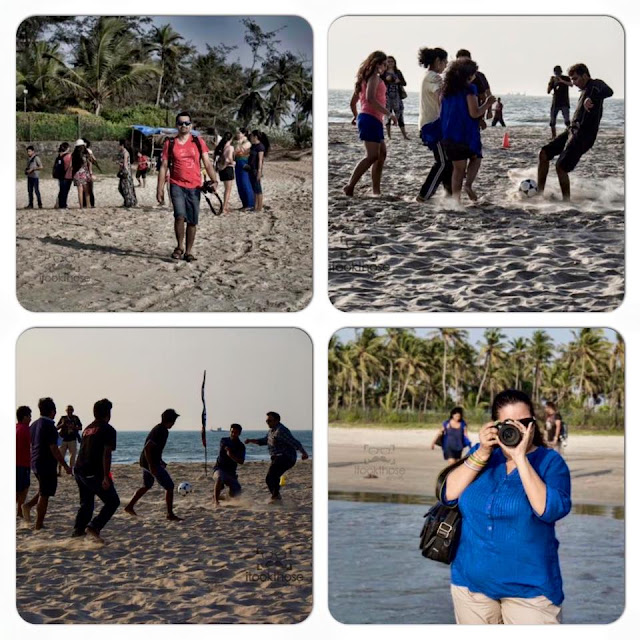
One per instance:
(23, 478)
(186, 203)
(228, 480)
(162, 476)
(370, 128)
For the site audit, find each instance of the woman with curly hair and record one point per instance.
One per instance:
(371, 92)
(459, 114)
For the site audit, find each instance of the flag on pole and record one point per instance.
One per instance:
(204, 422)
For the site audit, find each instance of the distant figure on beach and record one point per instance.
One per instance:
(81, 168)
(224, 163)
(430, 125)
(141, 169)
(125, 184)
(154, 467)
(63, 173)
(242, 149)
(282, 448)
(459, 113)
(371, 92)
(497, 116)
(181, 157)
(396, 93)
(581, 135)
(259, 150)
(232, 453)
(554, 427)
(482, 85)
(69, 426)
(93, 473)
(506, 569)
(32, 171)
(23, 457)
(453, 436)
(45, 457)
(559, 84)
(92, 161)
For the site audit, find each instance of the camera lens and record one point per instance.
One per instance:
(509, 434)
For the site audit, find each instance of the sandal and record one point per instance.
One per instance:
(190, 257)
(177, 253)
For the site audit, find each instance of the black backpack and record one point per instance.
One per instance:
(58, 168)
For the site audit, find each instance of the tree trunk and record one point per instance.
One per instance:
(160, 85)
(484, 377)
(444, 374)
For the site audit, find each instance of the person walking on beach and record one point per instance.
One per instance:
(125, 184)
(81, 169)
(453, 436)
(481, 83)
(45, 457)
(396, 93)
(23, 457)
(141, 169)
(154, 467)
(282, 449)
(181, 156)
(69, 426)
(92, 161)
(581, 135)
(460, 112)
(259, 150)
(435, 62)
(554, 427)
(93, 473)
(32, 171)
(63, 173)
(232, 453)
(371, 92)
(559, 84)
(497, 116)
(506, 569)
(224, 163)
(242, 150)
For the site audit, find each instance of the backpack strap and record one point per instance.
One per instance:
(172, 142)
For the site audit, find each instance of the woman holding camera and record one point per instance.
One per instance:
(510, 492)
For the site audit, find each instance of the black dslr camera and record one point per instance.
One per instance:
(509, 434)
(207, 187)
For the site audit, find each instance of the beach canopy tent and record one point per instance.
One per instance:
(150, 138)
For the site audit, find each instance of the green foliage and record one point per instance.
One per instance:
(137, 114)
(303, 136)
(31, 127)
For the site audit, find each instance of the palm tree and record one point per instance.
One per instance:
(540, 351)
(284, 76)
(166, 43)
(588, 354)
(365, 350)
(37, 70)
(410, 364)
(518, 358)
(251, 99)
(449, 338)
(492, 356)
(616, 378)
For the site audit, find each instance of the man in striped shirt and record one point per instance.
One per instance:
(282, 448)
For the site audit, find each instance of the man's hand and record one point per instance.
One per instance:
(588, 105)
(106, 483)
(249, 441)
(160, 196)
(353, 120)
(67, 468)
(304, 455)
(393, 119)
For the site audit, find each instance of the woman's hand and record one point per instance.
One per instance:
(393, 119)
(488, 435)
(519, 453)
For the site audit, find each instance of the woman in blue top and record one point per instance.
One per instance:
(459, 113)
(454, 436)
(506, 569)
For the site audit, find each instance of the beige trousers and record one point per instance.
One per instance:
(71, 447)
(476, 608)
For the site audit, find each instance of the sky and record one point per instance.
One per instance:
(516, 53)
(296, 36)
(559, 336)
(145, 371)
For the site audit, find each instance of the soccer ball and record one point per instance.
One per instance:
(184, 489)
(529, 187)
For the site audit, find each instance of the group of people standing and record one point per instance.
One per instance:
(37, 450)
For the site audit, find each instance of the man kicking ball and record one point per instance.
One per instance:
(232, 453)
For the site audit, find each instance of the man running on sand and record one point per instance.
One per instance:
(93, 473)
(69, 426)
(154, 467)
(181, 156)
(581, 134)
(232, 453)
(282, 448)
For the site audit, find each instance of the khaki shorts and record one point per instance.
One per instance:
(476, 608)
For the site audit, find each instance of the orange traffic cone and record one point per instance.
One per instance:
(505, 141)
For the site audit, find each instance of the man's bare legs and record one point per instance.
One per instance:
(376, 169)
(41, 511)
(459, 168)
(178, 227)
(191, 236)
(565, 184)
(472, 171)
(373, 151)
(136, 496)
(543, 170)
(21, 496)
(27, 506)
(169, 502)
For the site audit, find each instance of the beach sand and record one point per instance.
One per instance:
(217, 566)
(411, 467)
(113, 259)
(505, 253)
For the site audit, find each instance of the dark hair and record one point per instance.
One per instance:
(183, 114)
(395, 64)
(558, 68)
(46, 405)
(579, 69)
(427, 56)
(87, 143)
(236, 426)
(78, 157)
(515, 396)
(456, 410)
(463, 53)
(243, 130)
(552, 405)
(273, 414)
(63, 147)
(457, 75)
(102, 409)
(31, 148)
(223, 141)
(368, 67)
(263, 139)
(23, 412)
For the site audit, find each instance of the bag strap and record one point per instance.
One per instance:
(172, 141)
(442, 478)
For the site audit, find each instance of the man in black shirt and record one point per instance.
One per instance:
(581, 134)
(559, 84)
(232, 453)
(69, 426)
(482, 85)
(154, 467)
(93, 473)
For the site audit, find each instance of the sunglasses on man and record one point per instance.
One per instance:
(184, 123)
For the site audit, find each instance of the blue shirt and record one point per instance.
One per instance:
(43, 435)
(455, 439)
(457, 123)
(506, 550)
